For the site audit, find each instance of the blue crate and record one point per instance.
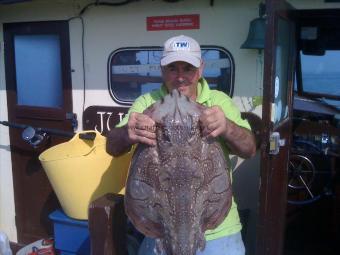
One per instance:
(70, 236)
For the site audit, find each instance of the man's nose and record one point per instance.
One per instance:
(180, 74)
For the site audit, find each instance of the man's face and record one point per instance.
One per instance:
(182, 76)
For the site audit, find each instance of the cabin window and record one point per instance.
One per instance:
(320, 76)
(135, 71)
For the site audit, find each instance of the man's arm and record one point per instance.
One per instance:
(118, 142)
(139, 129)
(240, 140)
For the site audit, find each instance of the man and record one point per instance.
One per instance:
(182, 69)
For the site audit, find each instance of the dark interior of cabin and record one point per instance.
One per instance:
(313, 208)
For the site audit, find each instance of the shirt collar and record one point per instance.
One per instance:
(203, 91)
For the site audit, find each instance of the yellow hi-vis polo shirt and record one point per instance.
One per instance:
(209, 98)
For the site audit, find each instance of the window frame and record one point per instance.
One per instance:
(157, 48)
(60, 28)
(300, 88)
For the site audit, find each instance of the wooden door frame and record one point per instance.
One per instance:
(270, 230)
(21, 152)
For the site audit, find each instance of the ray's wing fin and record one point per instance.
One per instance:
(140, 197)
(217, 179)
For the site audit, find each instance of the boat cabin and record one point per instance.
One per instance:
(67, 66)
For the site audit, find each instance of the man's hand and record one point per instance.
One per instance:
(240, 140)
(141, 129)
(213, 122)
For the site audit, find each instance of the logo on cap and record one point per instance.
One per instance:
(181, 45)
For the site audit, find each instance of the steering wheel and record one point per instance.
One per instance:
(306, 184)
(301, 175)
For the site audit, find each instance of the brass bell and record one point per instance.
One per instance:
(256, 34)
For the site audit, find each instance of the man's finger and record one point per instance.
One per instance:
(145, 133)
(144, 119)
(147, 141)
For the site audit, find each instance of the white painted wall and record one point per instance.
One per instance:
(119, 29)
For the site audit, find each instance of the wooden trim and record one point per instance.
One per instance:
(21, 28)
(33, 194)
(270, 226)
(37, 113)
(269, 59)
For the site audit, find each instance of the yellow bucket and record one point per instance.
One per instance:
(80, 171)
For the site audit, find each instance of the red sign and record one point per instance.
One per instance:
(176, 22)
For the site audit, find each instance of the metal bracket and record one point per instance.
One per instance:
(275, 143)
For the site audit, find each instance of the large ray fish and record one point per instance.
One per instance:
(181, 187)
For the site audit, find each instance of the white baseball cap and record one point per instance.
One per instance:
(181, 48)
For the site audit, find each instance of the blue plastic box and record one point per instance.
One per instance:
(70, 236)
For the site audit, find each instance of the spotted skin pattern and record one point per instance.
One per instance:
(179, 188)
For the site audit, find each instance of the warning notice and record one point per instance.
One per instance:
(176, 22)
